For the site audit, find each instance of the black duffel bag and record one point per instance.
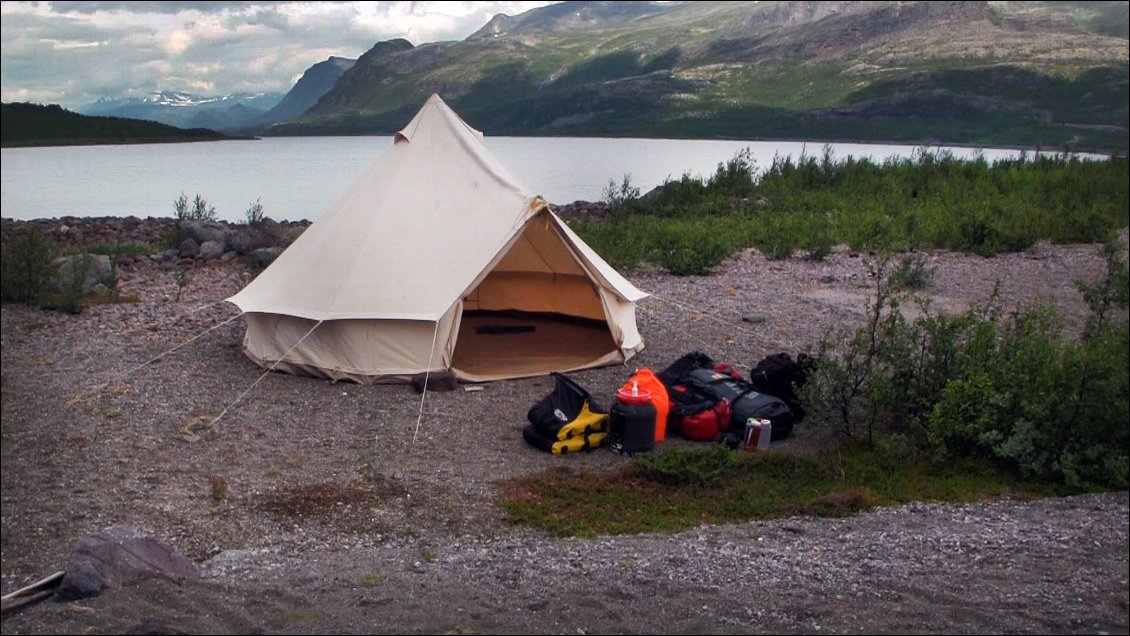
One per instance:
(745, 402)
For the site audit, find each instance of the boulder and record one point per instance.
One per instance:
(211, 249)
(201, 231)
(262, 257)
(117, 557)
(249, 239)
(94, 269)
(189, 248)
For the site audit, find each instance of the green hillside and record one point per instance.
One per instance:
(1002, 73)
(24, 124)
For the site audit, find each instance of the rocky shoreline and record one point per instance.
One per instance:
(185, 242)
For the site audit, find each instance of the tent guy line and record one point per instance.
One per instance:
(690, 335)
(427, 376)
(98, 389)
(695, 310)
(261, 376)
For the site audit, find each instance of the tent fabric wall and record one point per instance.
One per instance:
(437, 227)
(363, 351)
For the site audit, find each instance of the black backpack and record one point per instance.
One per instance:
(781, 376)
(677, 372)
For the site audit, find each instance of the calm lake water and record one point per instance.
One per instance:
(300, 177)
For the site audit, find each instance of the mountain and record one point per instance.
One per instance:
(230, 118)
(569, 15)
(237, 112)
(24, 124)
(185, 109)
(985, 73)
(315, 82)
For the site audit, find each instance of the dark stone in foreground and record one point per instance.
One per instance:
(436, 381)
(120, 556)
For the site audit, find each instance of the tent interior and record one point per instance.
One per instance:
(534, 312)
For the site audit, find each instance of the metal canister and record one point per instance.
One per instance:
(752, 434)
(766, 433)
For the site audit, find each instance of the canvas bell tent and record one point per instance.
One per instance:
(437, 258)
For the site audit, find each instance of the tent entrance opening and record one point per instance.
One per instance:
(495, 344)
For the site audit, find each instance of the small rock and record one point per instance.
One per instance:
(231, 556)
(754, 318)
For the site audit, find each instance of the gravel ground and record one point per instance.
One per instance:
(98, 433)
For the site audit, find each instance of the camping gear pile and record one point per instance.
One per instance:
(694, 397)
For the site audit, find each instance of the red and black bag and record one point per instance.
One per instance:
(695, 418)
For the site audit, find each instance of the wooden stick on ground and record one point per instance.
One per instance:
(31, 593)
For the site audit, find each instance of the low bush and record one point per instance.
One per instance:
(929, 201)
(255, 214)
(677, 488)
(26, 272)
(708, 467)
(1014, 389)
(200, 210)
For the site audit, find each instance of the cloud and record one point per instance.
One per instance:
(133, 6)
(72, 53)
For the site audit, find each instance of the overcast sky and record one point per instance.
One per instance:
(72, 53)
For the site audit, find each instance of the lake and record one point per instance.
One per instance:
(300, 177)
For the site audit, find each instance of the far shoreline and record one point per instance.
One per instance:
(127, 142)
(921, 143)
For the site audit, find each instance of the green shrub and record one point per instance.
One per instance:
(621, 199)
(930, 201)
(735, 178)
(1017, 390)
(912, 273)
(691, 248)
(862, 379)
(72, 277)
(180, 207)
(817, 244)
(255, 214)
(620, 241)
(200, 210)
(27, 272)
